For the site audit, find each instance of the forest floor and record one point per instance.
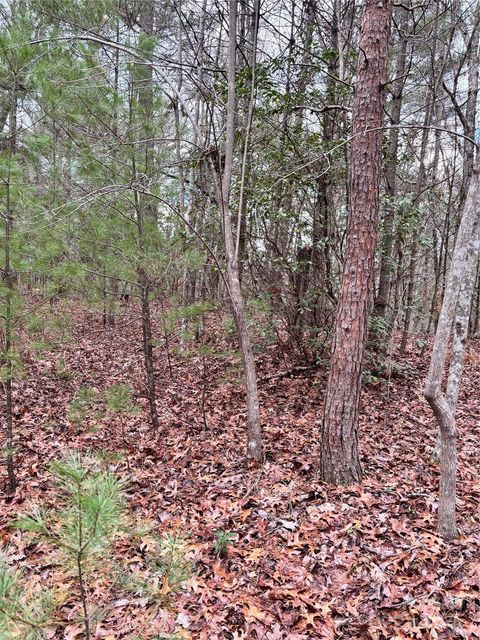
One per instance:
(304, 560)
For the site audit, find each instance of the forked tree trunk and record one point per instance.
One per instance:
(339, 460)
(457, 297)
(254, 443)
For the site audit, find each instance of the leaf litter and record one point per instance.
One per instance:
(306, 560)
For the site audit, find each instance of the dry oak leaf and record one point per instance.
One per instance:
(256, 554)
(252, 613)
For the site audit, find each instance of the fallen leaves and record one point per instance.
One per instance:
(308, 561)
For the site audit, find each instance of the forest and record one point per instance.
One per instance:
(239, 319)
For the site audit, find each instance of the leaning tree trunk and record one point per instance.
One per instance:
(254, 443)
(461, 279)
(339, 461)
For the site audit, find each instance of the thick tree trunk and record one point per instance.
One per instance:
(457, 296)
(462, 319)
(339, 462)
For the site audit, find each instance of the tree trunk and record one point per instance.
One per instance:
(457, 295)
(472, 41)
(437, 66)
(384, 282)
(412, 266)
(339, 461)
(144, 169)
(321, 277)
(148, 355)
(250, 55)
(254, 443)
(9, 279)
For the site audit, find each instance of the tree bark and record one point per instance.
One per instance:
(339, 461)
(472, 42)
(457, 296)
(254, 439)
(9, 280)
(321, 277)
(437, 66)
(250, 56)
(143, 170)
(385, 277)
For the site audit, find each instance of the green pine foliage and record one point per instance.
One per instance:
(168, 565)
(91, 514)
(84, 526)
(119, 399)
(81, 530)
(24, 612)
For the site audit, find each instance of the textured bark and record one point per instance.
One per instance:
(457, 295)
(339, 462)
(462, 318)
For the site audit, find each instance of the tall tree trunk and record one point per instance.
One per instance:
(254, 443)
(321, 280)
(339, 460)
(437, 66)
(143, 169)
(457, 297)
(251, 57)
(385, 277)
(8, 278)
(412, 265)
(472, 42)
(437, 256)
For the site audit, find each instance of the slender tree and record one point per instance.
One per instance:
(254, 444)
(391, 167)
(455, 310)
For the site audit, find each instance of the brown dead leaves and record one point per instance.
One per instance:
(307, 561)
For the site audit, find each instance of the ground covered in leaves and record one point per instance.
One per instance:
(302, 560)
